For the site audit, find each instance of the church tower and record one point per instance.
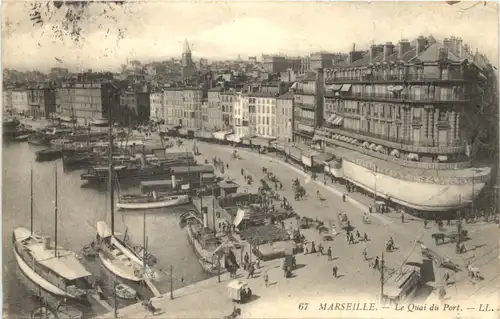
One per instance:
(188, 67)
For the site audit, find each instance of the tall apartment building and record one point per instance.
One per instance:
(7, 100)
(214, 106)
(174, 103)
(205, 125)
(284, 117)
(157, 105)
(308, 105)
(42, 102)
(241, 117)
(20, 101)
(193, 98)
(227, 100)
(265, 114)
(401, 119)
(275, 64)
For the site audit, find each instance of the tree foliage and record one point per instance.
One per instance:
(75, 15)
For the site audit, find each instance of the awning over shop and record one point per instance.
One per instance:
(305, 128)
(395, 153)
(413, 156)
(183, 131)
(220, 135)
(345, 88)
(354, 141)
(317, 137)
(233, 138)
(334, 87)
(261, 141)
(397, 88)
(246, 139)
(294, 153)
(372, 146)
(379, 148)
(442, 158)
(331, 118)
(203, 134)
(321, 158)
(278, 145)
(338, 121)
(366, 144)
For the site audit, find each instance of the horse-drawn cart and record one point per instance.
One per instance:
(344, 221)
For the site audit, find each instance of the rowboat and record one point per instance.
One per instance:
(37, 139)
(151, 201)
(48, 155)
(21, 138)
(125, 292)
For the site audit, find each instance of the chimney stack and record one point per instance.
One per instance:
(421, 41)
(404, 46)
(388, 49)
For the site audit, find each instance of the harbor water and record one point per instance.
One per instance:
(79, 209)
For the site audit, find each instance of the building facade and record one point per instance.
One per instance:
(275, 64)
(404, 115)
(7, 100)
(42, 102)
(157, 105)
(284, 117)
(174, 103)
(204, 115)
(87, 101)
(20, 101)
(241, 117)
(191, 113)
(143, 106)
(227, 100)
(215, 121)
(308, 106)
(265, 114)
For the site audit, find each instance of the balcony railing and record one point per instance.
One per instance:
(402, 162)
(396, 78)
(405, 97)
(455, 147)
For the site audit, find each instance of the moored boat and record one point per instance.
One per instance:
(204, 247)
(125, 292)
(42, 313)
(37, 139)
(99, 122)
(151, 201)
(48, 155)
(21, 138)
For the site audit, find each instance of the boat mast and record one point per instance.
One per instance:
(31, 200)
(55, 213)
(110, 176)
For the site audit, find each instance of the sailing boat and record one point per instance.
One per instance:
(50, 268)
(115, 255)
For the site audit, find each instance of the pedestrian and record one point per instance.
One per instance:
(247, 258)
(251, 270)
(243, 172)
(365, 237)
(281, 186)
(266, 279)
(376, 264)
(365, 253)
(335, 271)
(343, 197)
(425, 223)
(358, 235)
(329, 252)
(351, 239)
(313, 247)
(402, 218)
(227, 166)
(257, 263)
(370, 209)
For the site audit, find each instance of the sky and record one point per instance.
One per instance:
(155, 30)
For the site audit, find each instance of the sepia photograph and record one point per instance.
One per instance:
(250, 159)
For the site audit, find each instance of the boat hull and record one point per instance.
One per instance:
(115, 270)
(179, 200)
(202, 254)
